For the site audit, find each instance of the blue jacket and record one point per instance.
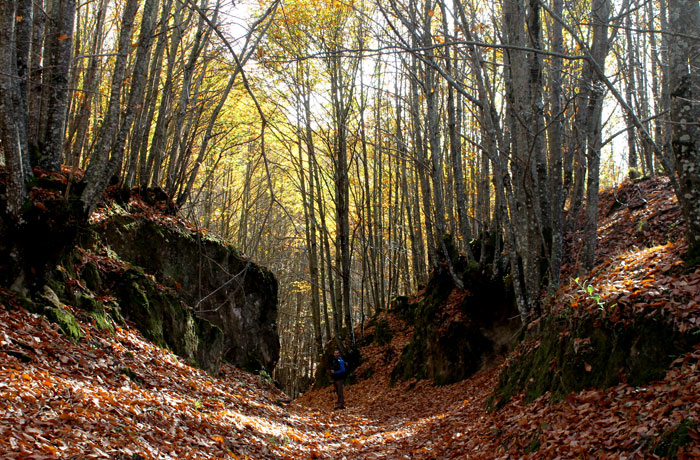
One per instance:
(338, 369)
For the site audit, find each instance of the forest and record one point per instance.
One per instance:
(365, 162)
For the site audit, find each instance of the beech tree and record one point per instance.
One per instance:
(684, 82)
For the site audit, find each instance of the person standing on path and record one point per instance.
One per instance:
(338, 374)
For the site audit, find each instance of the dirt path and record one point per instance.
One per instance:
(116, 396)
(409, 420)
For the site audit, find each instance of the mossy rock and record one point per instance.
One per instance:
(95, 310)
(452, 343)
(112, 308)
(90, 274)
(66, 321)
(48, 295)
(410, 363)
(165, 319)
(102, 321)
(210, 344)
(573, 354)
(134, 305)
(58, 287)
(197, 271)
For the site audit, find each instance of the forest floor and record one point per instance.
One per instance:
(115, 395)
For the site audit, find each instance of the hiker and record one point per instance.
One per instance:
(338, 374)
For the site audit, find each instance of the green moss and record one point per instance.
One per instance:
(29, 305)
(448, 348)
(189, 341)
(410, 363)
(66, 321)
(674, 438)
(587, 353)
(112, 308)
(57, 287)
(90, 274)
(88, 303)
(135, 305)
(102, 321)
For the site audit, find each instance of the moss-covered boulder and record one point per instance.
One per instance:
(564, 354)
(193, 294)
(235, 295)
(456, 332)
(164, 317)
(66, 321)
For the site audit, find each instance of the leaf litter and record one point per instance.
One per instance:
(119, 396)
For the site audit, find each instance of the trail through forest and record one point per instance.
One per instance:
(116, 395)
(125, 398)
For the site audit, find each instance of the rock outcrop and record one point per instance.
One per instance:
(133, 260)
(222, 287)
(456, 331)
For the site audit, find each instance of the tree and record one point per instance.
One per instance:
(13, 137)
(684, 81)
(55, 92)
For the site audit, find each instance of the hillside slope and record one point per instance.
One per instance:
(133, 258)
(640, 277)
(115, 395)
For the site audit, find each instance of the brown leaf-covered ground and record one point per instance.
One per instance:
(118, 396)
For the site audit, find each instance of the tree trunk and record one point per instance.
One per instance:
(34, 90)
(91, 80)
(158, 143)
(630, 91)
(684, 80)
(96, 175)
(454, 115)
(176, 149)
(138, 84)
(10, 119)
(57, 58)
(600, 12)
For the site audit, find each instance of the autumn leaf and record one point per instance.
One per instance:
(63, 37)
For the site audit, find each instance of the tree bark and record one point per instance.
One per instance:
(10, 119)
(57, 58)
(600, 12)
(684, 80)
(34, 90)
(96, 175)
(555, 152)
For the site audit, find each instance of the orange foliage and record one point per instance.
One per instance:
(116, 396)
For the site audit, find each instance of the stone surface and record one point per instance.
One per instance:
(233, 294)
(457, 332)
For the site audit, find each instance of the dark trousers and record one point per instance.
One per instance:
(339, 390)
